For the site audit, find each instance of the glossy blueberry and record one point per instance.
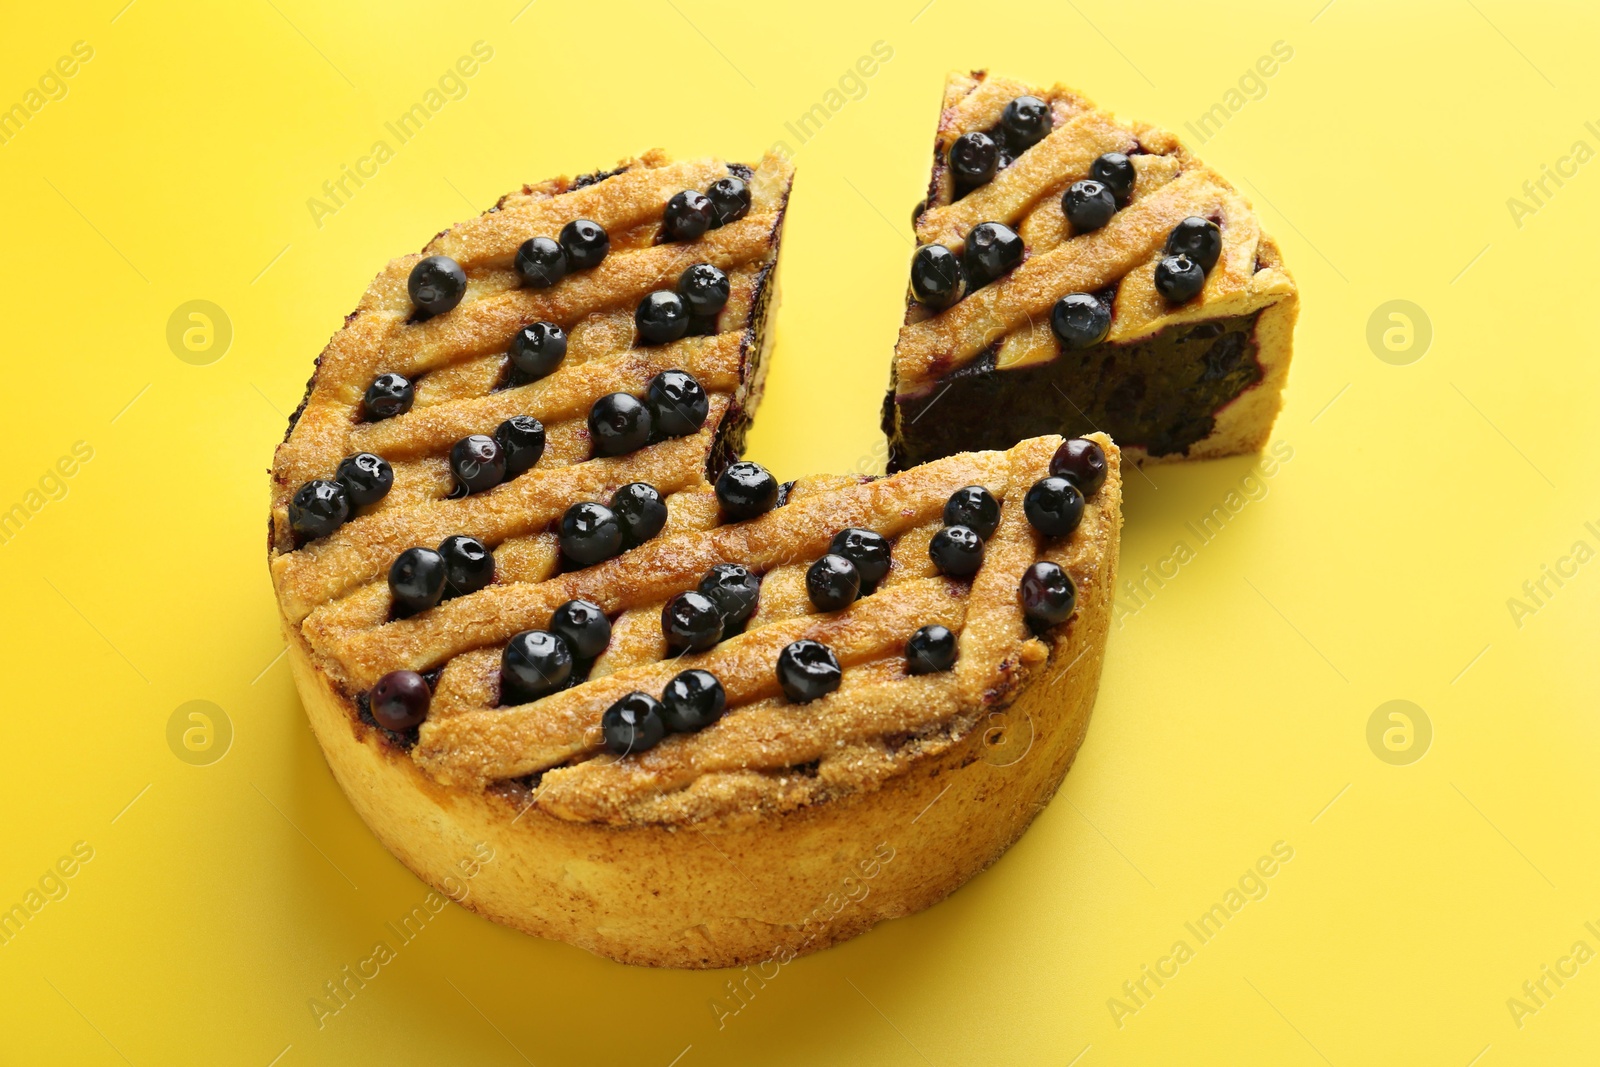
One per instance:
(730, 199)
(704, 288)
(972, 158)
(388, 395)
(1179, 278)
(691, 623)
(746, 490)
(468, 564)
(734, 591)
(437, 284)
(661, 317)
(974, 507)
(692, 701)
(1089, 205)
(808, 670)
(585, 244)
(833, 582)
(956, 551)
(1054, 506)
(590, 532)
(678, 402)
(534, 663)
(1199, 239)
(478, 462)
(867, 550)
(633, 724)
(1026, 120)
(318, 508)
(538, 349)
(688, 215)
(416, 580)
(619, 423)
(583, 626)
(992, 250)
(399, 701)
(1115, 171)
(1082, 462)
(1080, 320)
(540, 262)
(1048, 594)
(521, 441)
(366, 478)
(640, 510)
(936, 276)
(930, 650)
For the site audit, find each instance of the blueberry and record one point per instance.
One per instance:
(692, 701)
(1054, 506)
(478, 463)
(1199, 239)
(583, 626)
(1048, 594)
(688, 215)
(930, 650)
(867, 550)
(640, 510)
(691, 623)
(973, 158)
(833, 582)
(521, 441)
(388, 395)
(318, 508)
(1179, 278)
(618, 424)
(1115, 171)
(416, 580)
(590, 533)
(746, 490)
(730, 199)
(534, 664)
(468, 564)
(399, 701)
(1080, 320)
(956, 551)
(936, 276)
(808, 670)
(992, 250)
(540, 262)
(633, 724)
(366, 478)
(585, 244)
(679, 403)
(437, 284)
(974, 507)
(1089, 205)
(1026, 120)
(734, 591)
(704, 288)
(538, 349)
(661, 317)
(1082, 462)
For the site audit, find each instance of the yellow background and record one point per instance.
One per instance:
(1235, 703)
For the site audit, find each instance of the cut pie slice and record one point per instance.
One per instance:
(1076, 273)
(791, 712)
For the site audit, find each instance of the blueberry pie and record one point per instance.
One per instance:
(1076, 273)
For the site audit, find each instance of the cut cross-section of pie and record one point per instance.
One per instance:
(789, 713)
(1077, 273)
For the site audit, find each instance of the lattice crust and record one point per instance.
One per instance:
(1013, 313)
(765, 753)
(458, 359)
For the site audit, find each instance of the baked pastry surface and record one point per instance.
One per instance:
(1170, 379)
